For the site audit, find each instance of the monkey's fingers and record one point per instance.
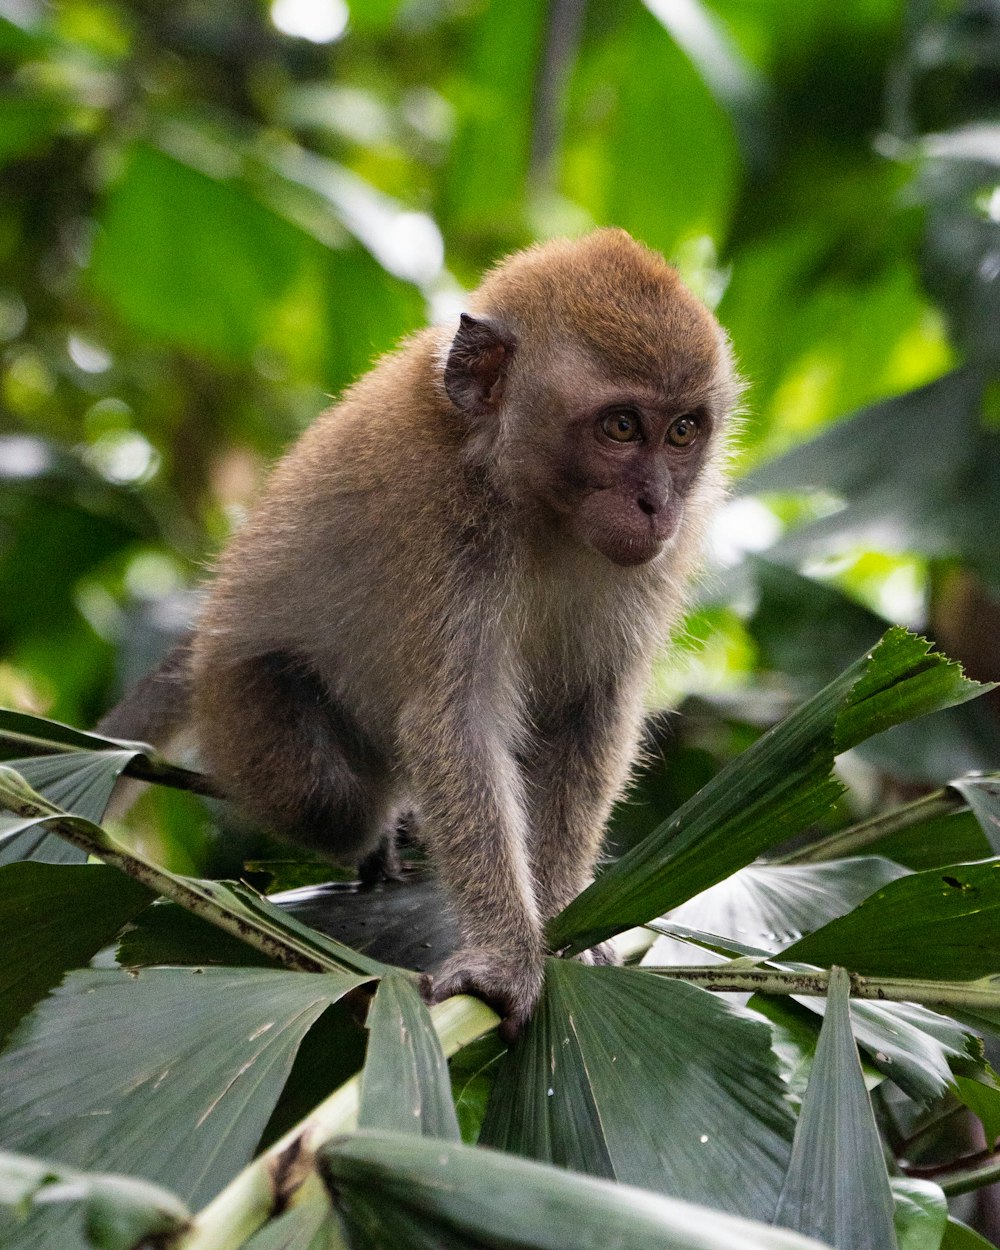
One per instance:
(511, 991)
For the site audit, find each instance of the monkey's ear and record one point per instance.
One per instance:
(477, 365)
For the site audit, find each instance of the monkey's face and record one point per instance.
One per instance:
(618, 460)
(627, 469)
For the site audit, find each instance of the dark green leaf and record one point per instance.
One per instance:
(404, 1083)
(119, 1213)
(941, 924)
(837, 1187)
(952, 839)
(630, 1077)
(959, 1236)
(913, 1046)
(473, 1071)
(413, 1193)
(21, 734)
(20, 842)
(775, 789)
(202, 1054)
(983, 1100)
(54, 918)
(80, 782)
(168, 934)
(27, 125)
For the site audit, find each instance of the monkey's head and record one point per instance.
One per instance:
(597, 390)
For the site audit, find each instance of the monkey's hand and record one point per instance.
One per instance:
(510, 985)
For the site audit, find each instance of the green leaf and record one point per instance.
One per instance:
(493, 84)
(118, 1213)
(935, 843)
(192, 259)
(769, 905)
(983, 795)
(909, 503)
(959, 1236)
(202, 1054)
(27, 125)
(773, 790)
(54, 918)
(404, 1083)
(24, 734)
(413, 1194)
(632, 75)
(473, 1071)
(80, 782)
(921, 1213)
(983, 1100)
(837, 1187)
(652, 1082)
(940, 924)
(911, 1045)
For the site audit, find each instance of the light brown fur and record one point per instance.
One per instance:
(415, 617)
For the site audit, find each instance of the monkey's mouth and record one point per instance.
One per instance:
(629, 547)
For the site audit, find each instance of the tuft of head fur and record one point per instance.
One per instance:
(617, 298)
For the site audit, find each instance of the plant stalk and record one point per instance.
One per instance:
(960, 1176)
(142, 767)
(189, 893)
(721, 979)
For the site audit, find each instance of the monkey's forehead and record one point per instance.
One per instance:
(620, 301)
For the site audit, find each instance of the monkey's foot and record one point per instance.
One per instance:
(383, 864)
(511, 987)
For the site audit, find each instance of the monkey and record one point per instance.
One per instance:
(449, 598)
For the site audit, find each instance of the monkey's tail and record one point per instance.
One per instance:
(157, 708)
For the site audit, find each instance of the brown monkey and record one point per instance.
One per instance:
(450, 596)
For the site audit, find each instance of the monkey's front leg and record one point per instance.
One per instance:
(469, 791)
(579, 763)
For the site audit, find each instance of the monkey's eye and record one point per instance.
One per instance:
(684, 430)
(622, 425)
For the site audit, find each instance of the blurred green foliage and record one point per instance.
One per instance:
(213, 215)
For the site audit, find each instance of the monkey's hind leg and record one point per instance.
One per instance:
(286, 753)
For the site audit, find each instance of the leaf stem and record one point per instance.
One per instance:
(761, 980)
(193, 895)
(142, 767)
(959, 1176)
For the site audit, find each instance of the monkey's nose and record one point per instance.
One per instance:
(648, 505)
